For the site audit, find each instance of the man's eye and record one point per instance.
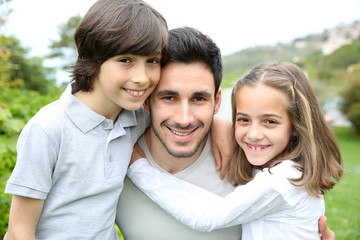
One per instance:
(168, 98)
(199, 99)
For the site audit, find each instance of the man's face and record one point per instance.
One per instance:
(182, 107)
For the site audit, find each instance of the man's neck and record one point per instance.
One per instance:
(164, 159)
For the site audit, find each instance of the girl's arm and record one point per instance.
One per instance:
(221, 137)
(203, 210)
(23, 218)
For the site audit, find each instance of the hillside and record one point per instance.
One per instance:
(325, 43)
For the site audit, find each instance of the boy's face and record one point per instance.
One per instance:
(125, 81)
(182, 108)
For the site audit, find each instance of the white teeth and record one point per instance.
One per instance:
(256, 148)
(179, 133)
(136, 93)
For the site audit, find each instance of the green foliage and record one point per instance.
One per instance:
(7, 162)
(242, 61)
(342, 57)
(18, 70)
(351, 99)
(17, 106)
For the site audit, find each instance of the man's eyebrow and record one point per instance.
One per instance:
(203, 94)
(167, 93)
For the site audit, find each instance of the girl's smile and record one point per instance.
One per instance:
(256, 148)
(263, 126)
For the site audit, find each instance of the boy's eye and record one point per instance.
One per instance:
(124, 60)
(153, 60)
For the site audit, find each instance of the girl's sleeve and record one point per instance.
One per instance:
(203, 210)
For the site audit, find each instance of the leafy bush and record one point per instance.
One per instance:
(18, 70)
(17, 106)
(351, 96)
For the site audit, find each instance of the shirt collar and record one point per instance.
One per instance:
(86, 119)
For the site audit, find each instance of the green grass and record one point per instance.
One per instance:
(343, 201)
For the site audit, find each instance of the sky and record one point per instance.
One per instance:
(233, 24)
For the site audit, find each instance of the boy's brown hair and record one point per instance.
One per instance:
(115, 27)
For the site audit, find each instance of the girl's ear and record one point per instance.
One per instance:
(294, 133)
(293, 136)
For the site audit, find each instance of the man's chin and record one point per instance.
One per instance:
(181, 154)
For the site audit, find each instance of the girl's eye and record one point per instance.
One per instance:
(270, 121)
(242, 120)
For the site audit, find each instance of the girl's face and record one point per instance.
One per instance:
(263, 126)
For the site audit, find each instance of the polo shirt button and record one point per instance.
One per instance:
(110, 159)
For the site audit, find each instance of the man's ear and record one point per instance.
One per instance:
(217, 101)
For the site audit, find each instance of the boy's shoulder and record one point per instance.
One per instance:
(48, 117)
(48, 113)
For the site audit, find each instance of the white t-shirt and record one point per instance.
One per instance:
(139, 218)
(269, 207)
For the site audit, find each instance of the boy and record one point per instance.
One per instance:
(74, 153)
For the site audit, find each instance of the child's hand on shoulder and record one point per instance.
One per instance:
(136, 154)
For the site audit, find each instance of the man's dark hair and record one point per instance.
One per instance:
(187, 45)
(115, 27)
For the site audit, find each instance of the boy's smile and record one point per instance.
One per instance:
(136, 93)
(124, 81)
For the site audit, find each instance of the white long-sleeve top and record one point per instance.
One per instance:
(268, 207)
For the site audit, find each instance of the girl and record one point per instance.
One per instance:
(285, 155)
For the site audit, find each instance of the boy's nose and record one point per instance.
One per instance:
(140, 75)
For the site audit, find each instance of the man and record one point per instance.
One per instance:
(182, 108)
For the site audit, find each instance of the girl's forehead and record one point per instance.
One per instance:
(261, 98)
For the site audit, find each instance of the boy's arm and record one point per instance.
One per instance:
(24, 216)
(221, 141)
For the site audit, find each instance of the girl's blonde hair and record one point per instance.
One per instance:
(311, 144)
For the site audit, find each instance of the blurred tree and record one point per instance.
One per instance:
(19, 70)
(64, 48)
(351, 98)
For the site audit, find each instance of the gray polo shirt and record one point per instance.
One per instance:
(75, 160)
